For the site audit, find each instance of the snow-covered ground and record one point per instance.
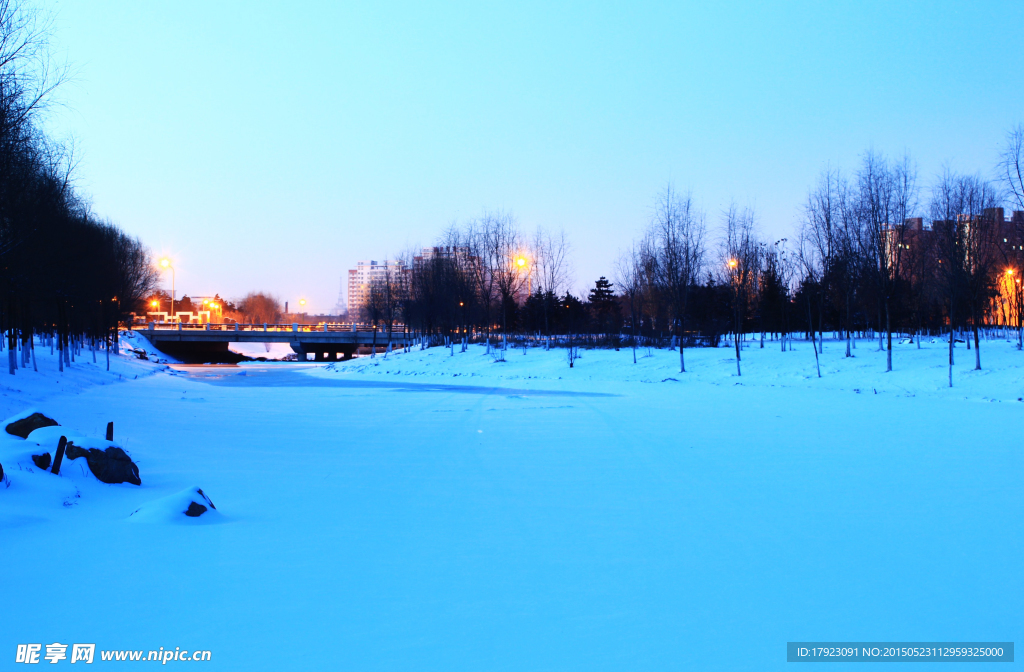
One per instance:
(30, 388)
(438, 512)
(917, 371)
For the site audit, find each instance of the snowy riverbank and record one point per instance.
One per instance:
(916, 371)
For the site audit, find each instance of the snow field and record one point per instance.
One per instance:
(699, 523)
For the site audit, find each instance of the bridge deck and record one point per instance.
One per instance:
(271, 333)
(325, 341)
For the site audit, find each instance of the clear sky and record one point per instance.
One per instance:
(272, 145)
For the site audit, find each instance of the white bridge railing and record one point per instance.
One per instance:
(294, 327)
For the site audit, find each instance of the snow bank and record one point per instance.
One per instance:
(916, 372)
(33, 388)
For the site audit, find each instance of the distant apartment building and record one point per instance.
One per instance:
(363, 276)
(461, 254)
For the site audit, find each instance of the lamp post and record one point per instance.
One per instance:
(166, 263)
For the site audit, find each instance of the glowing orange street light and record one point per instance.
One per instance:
(521, 263)
(166, 263)
(1009, 271)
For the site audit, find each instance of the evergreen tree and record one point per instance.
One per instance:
(604, 305)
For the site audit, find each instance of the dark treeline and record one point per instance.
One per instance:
(64, 275)
(875, 254)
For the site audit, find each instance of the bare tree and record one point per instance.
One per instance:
(630, 279)
(260, 308)
(677, 232)
(388, 290)
(968, 248)
(551, 266)
(823, 230)
(812, 267)
(888, 197)
(502, 249)
(1012, 164)
(480, 243)
(741, 259)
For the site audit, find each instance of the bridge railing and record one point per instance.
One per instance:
(292, 327)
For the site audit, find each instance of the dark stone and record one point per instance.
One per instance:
(108, 466)
(42, 461)
(26, 426)
(1, 472)
(195, 510)
(73, 452)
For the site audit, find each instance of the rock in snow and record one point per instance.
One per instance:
(111, 465)
(42, 461)
(107, 461)
(32, 421)
(191, 503)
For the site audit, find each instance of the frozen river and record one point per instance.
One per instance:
(596, 527)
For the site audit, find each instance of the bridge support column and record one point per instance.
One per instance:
(299, 351)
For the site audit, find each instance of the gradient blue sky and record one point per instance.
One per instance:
(271, 145)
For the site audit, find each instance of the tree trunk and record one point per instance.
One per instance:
(682, 361)
(951, 339)
(12, 339)
(888, 337)
(977, 342)
(849, 337)
(632, 328)
(810, 323)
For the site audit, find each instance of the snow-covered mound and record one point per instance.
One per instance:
(191, 506)
(134, 344)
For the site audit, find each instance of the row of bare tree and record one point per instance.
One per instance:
(63, 272)
(870, 254)
(474, 280)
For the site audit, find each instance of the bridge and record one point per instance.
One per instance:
(209, 342)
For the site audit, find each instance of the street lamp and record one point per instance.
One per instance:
(521, 263)
(166, 263)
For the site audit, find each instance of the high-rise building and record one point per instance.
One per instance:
(364, 274)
